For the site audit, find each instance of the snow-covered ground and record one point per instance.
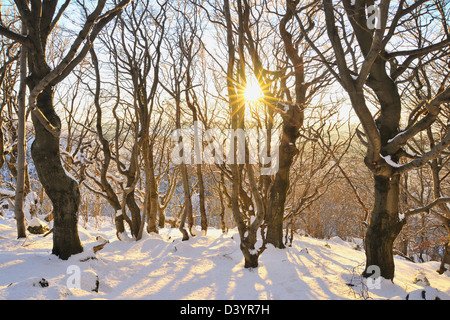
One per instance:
(162, 267)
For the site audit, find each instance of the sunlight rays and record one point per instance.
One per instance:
(253, 92)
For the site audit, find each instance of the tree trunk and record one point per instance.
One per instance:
(135, 213)
(202, 198)
(153, 195)
(248, 250)
(62, 190)
(435, 170)
(222, 204)
(21, 146)
(384, 227)
(292, 122)
(201, 184)
(275, 210)
(445, 259)
(161, 217)
(187, 212)
(120, 225)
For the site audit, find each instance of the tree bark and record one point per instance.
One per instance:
(152, 192)
(187, 211)
(111, 196)
(21, 145)
(275, 212)
(222, 204)
(135, 211)
(384, 226)
(445, 258)
(292, 122)
(61, 189)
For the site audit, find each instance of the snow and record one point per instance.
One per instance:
(35, 222)
(7, 193)
(285, 107)
(398, 135)
(162, 267)
(390, 162)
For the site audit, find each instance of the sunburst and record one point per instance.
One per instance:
(253, 92)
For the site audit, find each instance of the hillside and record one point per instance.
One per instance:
(162, 267)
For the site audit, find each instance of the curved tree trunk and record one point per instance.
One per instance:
(292, 122)
(135, 212)
(61, 189)
(40, 19)
(275, 210)
(384, 227)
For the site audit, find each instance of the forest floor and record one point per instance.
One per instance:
(162, 267)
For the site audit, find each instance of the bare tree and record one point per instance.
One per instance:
(183, 45)
(104, 184)
(236, 83)
(40, 18)
(167, 174)
(21, 143)
(430, 198)
(307, 78)
(16, 129)
(143, 65)
(375, 27)
(135, 58)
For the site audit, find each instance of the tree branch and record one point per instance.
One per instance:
(433, 110)
(376, 47)
(4, 31)
(428, 207)
(94, 24)
(419, 51)
(59, 14)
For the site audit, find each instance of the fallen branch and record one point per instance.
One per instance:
(99, 247)
(51, 230)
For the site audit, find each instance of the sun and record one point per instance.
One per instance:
(253, 92)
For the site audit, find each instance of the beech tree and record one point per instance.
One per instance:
(183, 45)
(40, 19)
(378, 61)
(236, 84)
(308, 80)
(427, 197)
(21, 142)
(13, 70)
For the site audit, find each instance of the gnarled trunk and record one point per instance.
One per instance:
(275, 211)
(384, 227)
(292, 122)
(61, 189)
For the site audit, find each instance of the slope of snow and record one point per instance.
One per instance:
(162, 267)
